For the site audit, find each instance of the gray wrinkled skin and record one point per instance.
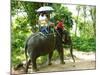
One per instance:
(39, 44)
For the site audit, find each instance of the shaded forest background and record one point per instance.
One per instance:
(24, 21)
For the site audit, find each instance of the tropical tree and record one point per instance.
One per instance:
(93, 17)
(25, 17)
(62, 12)
(78, 11)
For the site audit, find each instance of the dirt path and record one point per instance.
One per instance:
(84, 60)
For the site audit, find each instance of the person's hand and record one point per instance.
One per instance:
(56, 27)
(52, 24)
(65, 29)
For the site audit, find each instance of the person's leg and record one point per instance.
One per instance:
(60, 32)
(46, 29)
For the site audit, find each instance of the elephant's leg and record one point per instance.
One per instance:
(49, 58)
(27, 65)
(61, 53)
(34, 65)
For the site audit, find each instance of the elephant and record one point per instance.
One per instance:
(39, 44)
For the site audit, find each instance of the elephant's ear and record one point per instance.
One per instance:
(66, 32)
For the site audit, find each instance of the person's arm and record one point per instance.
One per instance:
(46, 20)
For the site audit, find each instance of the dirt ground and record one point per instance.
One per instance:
(83, 61)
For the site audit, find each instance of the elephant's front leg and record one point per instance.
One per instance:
(61, 53)
(49, 58)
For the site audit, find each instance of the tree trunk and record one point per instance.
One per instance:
(78, 10)
(93, 17)
(30, 9)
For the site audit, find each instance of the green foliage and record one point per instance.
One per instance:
(21, 28)
(19, 32)
(55, 55)
(62, 12)
(14, 6)
(86, 20)
(41, 60)
(84, 44)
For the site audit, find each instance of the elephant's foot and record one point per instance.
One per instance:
(74, 66)
(36, 70)
(62, 62)
(49, 63)
(26, 71)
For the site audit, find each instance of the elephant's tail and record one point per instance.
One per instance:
(26, 69)
(71, 52)
(26, 52)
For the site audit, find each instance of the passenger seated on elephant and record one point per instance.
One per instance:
(43, 22)
(51, 25)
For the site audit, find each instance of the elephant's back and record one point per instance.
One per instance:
(39, 39)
